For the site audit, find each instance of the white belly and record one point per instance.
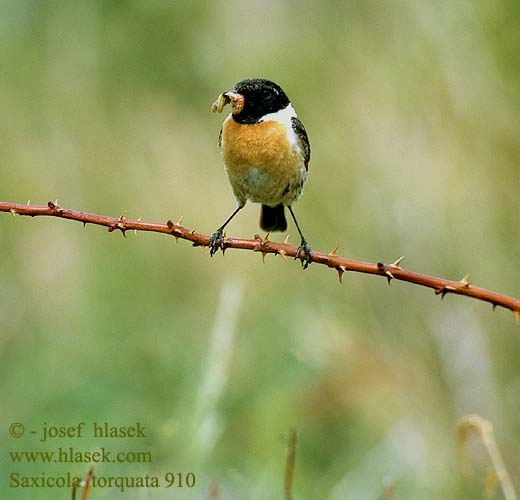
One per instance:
(257, 185)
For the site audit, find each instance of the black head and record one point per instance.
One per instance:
(261, 97)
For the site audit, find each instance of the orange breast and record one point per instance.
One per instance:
(261, 145)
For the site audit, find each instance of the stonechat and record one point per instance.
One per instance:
(266, 154)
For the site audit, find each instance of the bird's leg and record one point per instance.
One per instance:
(217, 238)
(304, 246)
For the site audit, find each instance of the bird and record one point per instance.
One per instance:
(266, 154)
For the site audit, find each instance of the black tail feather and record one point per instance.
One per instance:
(273, 218)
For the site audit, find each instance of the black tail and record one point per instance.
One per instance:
(273, 218)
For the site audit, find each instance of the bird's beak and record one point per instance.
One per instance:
(229, 96)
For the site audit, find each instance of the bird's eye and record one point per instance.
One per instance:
(266, 94)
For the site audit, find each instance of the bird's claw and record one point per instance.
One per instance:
(216, 242)
(307, 259)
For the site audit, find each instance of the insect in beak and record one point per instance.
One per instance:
(229, 96)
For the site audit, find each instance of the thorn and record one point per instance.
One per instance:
(173, 230)
(263, 243)
(465, 281)
(516, 315)
(283, 253)
(397, 263)
(494, 305)
(179, 222)
(333, 253)
(442, 291)
(135, 230)
(84, 224)
(388, 273)
(14, 213)
(266, 237)
(383, 269)
(286, 241)
(341, 270)
(56, 202)
(54, 206)
(28, 202)
(121, 223)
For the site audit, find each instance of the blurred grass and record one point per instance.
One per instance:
(412, 110)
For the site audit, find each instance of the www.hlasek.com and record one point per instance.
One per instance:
(122, 483)
(72, 455)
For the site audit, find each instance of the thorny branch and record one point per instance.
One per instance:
(391, 271)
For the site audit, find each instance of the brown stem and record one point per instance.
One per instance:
(289, 466)
(391, 271)
(88, 482)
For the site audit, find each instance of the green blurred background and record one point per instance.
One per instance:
(413, 111)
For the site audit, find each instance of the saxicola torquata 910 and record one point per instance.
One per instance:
(266, 154)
